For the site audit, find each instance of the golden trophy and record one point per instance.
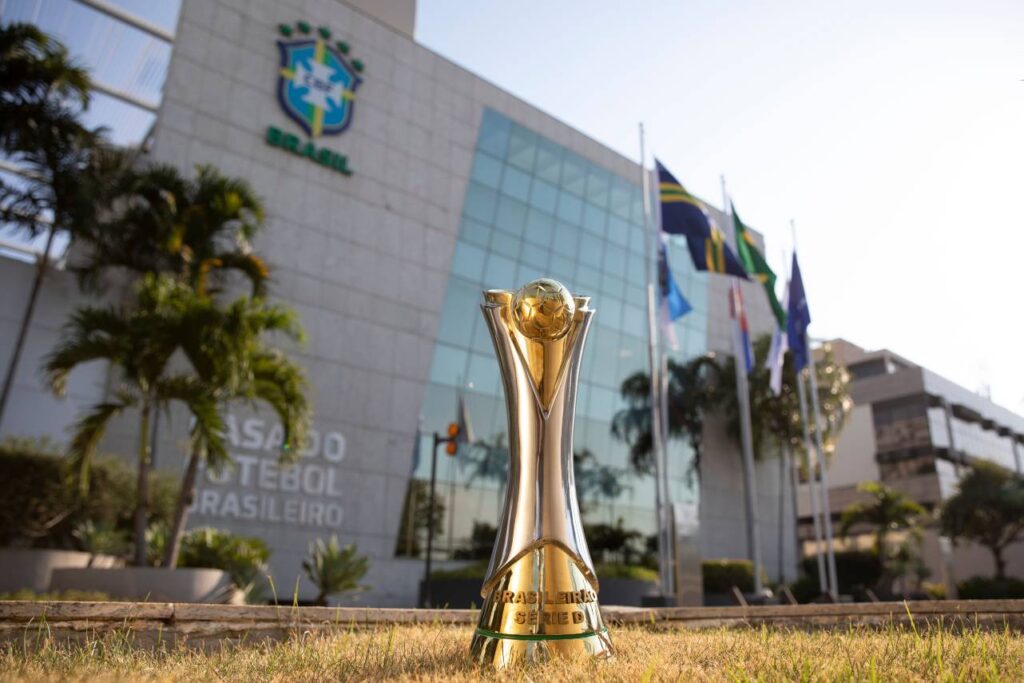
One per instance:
(540, 591)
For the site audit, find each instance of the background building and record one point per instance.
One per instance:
(917, 432)
(455, 186)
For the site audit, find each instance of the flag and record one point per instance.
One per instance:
(777, 353)
(683, 214)
(673, 304)
(671, 298)
(798, 318)
(739, 322)
(753, 262)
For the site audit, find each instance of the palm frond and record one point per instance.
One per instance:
(208, 431)
(87, 434)
(93, 333)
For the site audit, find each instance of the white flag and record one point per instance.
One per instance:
(777, 352)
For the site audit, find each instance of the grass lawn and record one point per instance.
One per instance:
(438, 653)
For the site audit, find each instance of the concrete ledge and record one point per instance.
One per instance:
(210, 625)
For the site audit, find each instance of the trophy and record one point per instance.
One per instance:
(540, 591)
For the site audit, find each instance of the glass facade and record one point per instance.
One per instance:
(535, 209)
(119, 57)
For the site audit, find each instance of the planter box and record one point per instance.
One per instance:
(31, 568)
(151, 584)
(465, 593)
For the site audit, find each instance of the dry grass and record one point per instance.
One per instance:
(439, 653)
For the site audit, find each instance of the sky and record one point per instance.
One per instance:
(890, 132)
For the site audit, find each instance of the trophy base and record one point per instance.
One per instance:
(503, 650)
(540, 606)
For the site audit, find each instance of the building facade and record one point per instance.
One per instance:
(398, 186)
(917, 432)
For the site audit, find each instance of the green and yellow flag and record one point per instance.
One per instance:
(754, 263)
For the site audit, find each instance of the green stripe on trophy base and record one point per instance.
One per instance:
(538, 636)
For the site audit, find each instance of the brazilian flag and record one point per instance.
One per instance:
(754, 263)
(683, 214)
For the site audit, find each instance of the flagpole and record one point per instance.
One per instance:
(823, 471)
(787, 449)
(664, 540)
(811, 483)
(813, 486)
(663, 390)
(746, 439)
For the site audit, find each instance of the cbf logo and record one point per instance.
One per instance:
(316, 87)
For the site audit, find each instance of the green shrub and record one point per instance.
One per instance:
(626, 571)
(100, 540)
(721, 575)
(40, 508)
(334, 569)
(856, 570)
(243, 558)
(986, 588)
(806, 588)
(935, 591)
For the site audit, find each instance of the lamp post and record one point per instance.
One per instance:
(451, 447)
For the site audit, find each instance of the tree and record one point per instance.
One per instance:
(594, 479)
(775, 420)
(334, 569)
(888, 511)
(43, 93)
(988, 509)
(143, 339)
(249, 371)
(693, 390)
(198, 229)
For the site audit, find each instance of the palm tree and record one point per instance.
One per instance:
(593, 478)
(43, 93)
(693, 389)
(197, 229)
(888, 511)
(775, 420)
(143, 340)
(35, 69)
(254, 373)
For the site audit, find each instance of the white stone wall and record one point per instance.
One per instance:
(32, 411)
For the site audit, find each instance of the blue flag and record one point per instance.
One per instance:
(683, 214)
(798, 318)
(673, 299)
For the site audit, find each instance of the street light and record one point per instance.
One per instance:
(451, 448)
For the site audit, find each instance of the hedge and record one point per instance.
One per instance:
(40, 506)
